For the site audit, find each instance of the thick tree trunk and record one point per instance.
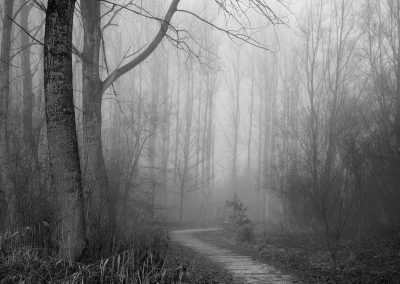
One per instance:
(8, 199)
(95, 181)
(61, 128)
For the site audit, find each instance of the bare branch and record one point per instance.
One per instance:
(27, 32)
(231, 33)
(165, 23)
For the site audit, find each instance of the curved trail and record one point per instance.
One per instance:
(244, 269)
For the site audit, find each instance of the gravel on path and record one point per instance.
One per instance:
(243, 268)
(201, 269)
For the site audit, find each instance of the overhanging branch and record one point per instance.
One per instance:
(146, 52)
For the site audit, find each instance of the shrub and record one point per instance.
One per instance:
(239, 221)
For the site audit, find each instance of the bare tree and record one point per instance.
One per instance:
(185, 166)
(94, 172)
(235, 92)
(28, 96)
(251, 115)
(329, 65)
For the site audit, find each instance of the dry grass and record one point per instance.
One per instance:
(25, 259)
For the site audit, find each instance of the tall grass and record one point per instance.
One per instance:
(26, 257)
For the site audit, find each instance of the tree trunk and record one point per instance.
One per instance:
(165, 131)
(267, 138)
(95, 181)
(187, 141)
(177, 130)
(198, 148)
(251, 119)
(182, 195)
(9, 196)
(27, 79)
(236, 122)
(203, 149)
(154, 118)
(212, 171)
(272, 143)
(24, 174)
(61, 129)
(208, 143)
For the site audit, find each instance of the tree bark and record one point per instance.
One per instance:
(8, 199)
(95, 181)
(61, 129)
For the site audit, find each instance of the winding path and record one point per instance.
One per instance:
(244, 269)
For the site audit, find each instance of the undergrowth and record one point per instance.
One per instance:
(26, 257)
(371, 259)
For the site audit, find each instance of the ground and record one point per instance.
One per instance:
(201, 270)
(375, 261)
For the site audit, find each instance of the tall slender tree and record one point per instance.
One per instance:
(95, 180)
(93, 165)
(251, 113)
(235, 89)
(27, 91)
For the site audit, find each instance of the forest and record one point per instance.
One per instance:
(124, 123)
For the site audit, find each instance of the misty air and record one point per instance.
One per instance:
(212, 141)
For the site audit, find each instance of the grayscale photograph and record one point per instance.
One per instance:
(200, 141)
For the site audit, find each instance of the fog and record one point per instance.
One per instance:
(289, 109)
(230, 69)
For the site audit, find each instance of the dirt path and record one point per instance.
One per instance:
(243, 268)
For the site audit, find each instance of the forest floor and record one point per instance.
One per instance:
(376, 260)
